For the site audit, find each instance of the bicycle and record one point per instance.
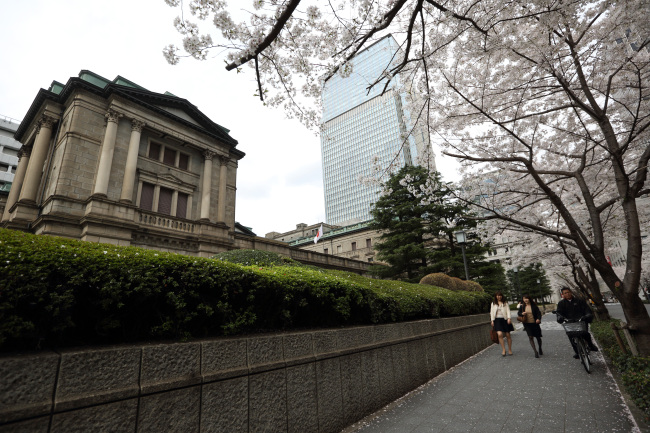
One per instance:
(577, 332)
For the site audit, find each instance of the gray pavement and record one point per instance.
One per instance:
(490, 393)
(616, 311)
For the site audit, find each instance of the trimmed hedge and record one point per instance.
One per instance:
(634, 370)
(256, 258)
(451, 283)
(61, 292)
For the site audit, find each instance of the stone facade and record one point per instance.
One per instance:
(319, 381)
(354, 241)
(109, 161)
(302, 231)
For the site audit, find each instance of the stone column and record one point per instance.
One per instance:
(223, 178)
(106, 156)
(34, 172)
(207, 184)
(131, 161)
(19, 177)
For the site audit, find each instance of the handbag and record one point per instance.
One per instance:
(494, 336)
(521, 319)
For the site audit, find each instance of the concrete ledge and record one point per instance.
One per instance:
(316, 381)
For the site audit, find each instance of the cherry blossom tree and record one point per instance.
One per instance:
(547, 98)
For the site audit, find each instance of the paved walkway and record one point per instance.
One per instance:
(490, 393)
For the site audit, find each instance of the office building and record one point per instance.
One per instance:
(363, 128)
(8, 151)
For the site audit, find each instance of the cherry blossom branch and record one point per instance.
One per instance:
(268, 40)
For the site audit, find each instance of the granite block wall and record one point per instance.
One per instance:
(319, 381)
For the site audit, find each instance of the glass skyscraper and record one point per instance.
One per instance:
(360, 126)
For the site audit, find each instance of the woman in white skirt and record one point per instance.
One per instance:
(500, 317)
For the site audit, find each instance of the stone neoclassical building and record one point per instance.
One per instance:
(355, 241)
(109, 161)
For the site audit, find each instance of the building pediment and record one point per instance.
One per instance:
(180, 113)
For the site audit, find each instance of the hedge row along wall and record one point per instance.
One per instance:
(57, 293)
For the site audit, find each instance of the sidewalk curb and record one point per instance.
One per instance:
(637, 414)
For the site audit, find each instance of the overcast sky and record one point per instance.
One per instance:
(279, 181)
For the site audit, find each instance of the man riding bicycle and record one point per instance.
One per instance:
(570, 308)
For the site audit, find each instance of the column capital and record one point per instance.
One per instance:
(208, 155)
(25, 151)
(46, 121)
(137, 125)
(223, 160)
(112, 115)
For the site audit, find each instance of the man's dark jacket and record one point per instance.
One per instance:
(573, 310)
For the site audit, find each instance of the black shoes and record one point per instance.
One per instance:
(536, 355)
(541, 352)
(576, 356)
(593, 348)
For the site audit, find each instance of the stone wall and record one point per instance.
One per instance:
(317, 381)
(321, 260)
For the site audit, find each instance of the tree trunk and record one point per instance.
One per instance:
(594, 288)
(635, 312)
(637, 319)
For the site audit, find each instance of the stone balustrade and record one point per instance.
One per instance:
(167, 222)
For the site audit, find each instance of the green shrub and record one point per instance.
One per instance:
(438, 279)
(473, 286)
(634, 370)
(256, 258)
(61, 292)
(450, 283)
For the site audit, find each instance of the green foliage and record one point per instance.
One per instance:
(450, 283)
(525, 282)
(448, 258)
(256, 258)
(634, 370)
(61, 292)
(407, 221)
(438, 279)
(418, 218)
(472, 286)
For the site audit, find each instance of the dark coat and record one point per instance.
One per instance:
(574, 309)
(537, 315)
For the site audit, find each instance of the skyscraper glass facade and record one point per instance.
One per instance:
(358, 127)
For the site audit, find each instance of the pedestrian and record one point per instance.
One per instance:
(500, 317)
(572, 308)
(532, 317)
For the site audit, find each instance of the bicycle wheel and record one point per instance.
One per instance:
(583, 352)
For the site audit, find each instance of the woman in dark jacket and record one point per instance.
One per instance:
(532, 318)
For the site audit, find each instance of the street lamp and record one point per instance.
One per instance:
(516, 271)
(539, 292)
(462, 240)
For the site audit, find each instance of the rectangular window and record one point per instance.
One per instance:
(368, 243)
(325, 250)
(154, 151)
(183, 161)
(354, 246)
(181, 205)
(338, 249)
(165, 201)
(170, 157)
(146, 197)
